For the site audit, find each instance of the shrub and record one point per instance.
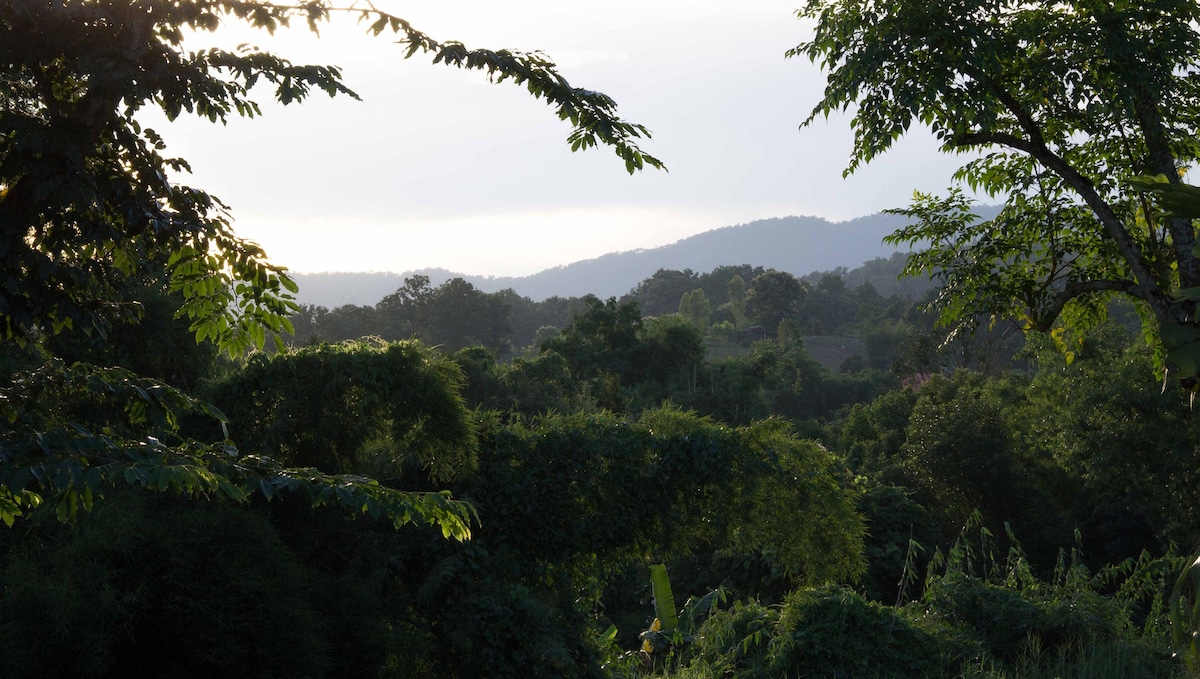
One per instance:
(827, 631)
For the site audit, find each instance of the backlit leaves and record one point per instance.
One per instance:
(90, 212)
(87, 199)
(1065, 103)
(71, 433)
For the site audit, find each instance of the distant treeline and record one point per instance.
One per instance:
(797, 245)
(740, 301)
(739, 343)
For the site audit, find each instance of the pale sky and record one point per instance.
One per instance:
(436, 167)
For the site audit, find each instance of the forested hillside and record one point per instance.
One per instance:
(797, 245)
(989, 471)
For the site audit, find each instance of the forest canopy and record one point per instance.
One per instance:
(829, 483)
(94, 223)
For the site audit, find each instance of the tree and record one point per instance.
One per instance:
(774, 297)
(88, 211)
(406, 311)
(524, 317)
(603, 338)
(159, 345)
(831, 303)
(670, 350)
(352, 321)
(1131, 448)
(737, 301)
(148, 584)
(695, 307)
(1064, 104)
(321, 406)
(460, 316)
(660, 294)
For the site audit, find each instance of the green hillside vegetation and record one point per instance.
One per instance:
(901, 498)
(738, 473)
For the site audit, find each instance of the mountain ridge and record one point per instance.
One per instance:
(798, 245)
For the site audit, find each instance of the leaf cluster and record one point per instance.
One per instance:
(321, 406)
(72, 433)
(1062, 105)
(87, 198)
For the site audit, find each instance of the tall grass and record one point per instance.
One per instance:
(1094, 661)
(978, 617)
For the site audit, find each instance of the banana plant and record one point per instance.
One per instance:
(1185, 617)
(671, 630)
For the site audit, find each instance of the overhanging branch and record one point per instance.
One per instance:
(1146, 282)
(1049, 314)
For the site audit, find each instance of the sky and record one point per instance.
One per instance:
(436, 167)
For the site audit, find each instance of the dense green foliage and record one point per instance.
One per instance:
(834, 486)
(321, 407)
(1062, 106)
(149, 585)
(838, 556)
(979, 616)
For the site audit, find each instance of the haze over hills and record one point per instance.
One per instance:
(798, 245)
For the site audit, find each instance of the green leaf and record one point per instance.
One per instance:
(1182, 344)
(664, 602)
(1176, 200)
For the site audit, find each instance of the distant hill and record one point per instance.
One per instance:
(798, 245)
